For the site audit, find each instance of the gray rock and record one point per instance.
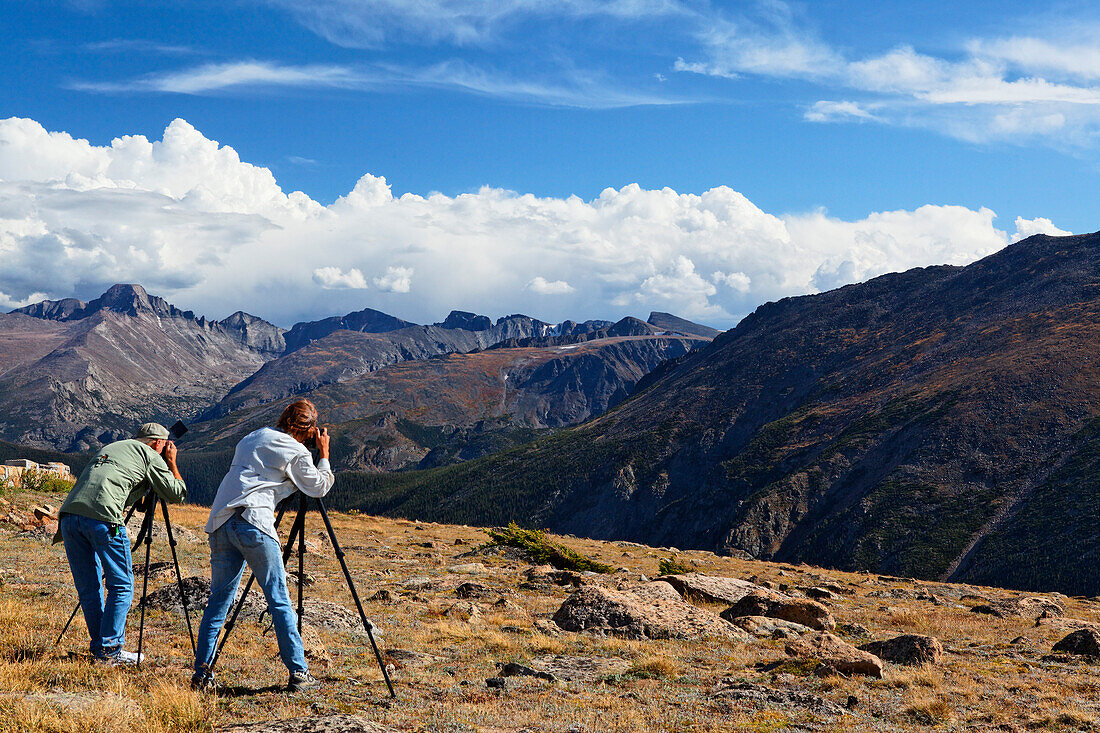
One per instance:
(312, 724)
(1085, 642)
(799, 610)
(625, 614)
(836, 654)
(760, 696)
(579, 669)
(912, 650)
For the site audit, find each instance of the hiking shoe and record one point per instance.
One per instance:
(123, 658)
(302, 682)
(202, 682)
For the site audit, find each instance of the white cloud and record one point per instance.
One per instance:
(190, 220)
(333, 278)
(1040, 225)
(215, 77)
(396, 280)
(374, 23)
(542, 286)
(826, 111)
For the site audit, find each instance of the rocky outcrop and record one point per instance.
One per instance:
(1085, 642)
(835, 654)
(622, 613)
(312, 724)
(1027, 607)
(760, 696)
(912, 650)
(710, 588)
(798, 610)
(770, 628)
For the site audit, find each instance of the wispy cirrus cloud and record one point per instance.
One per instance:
(573, 89)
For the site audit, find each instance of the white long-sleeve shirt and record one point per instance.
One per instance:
(268, 466)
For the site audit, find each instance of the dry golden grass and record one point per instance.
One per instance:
(984, 682)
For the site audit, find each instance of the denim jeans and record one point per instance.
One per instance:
(231, 546)
(99, 552)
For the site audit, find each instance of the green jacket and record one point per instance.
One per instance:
(119, 475)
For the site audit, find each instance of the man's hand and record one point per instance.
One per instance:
(170, 458)
(321, 436)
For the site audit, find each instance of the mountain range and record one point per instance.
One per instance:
(74, 375)
(941, 423)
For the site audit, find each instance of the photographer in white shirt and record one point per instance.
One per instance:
(269, 465)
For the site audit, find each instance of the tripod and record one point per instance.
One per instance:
(145, 535)
(298, 533)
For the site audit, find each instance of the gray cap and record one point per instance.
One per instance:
(151, 431)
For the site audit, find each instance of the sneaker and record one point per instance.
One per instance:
(202, 682)
(123, 658)
(302, 682)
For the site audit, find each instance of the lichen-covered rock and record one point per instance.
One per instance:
(799, 610)
(1027, 607)
(578, 669)
(622, 613)
(912, 650)
(835, 654)
(711, 588)
(312, 724)
(764, 627)
(1085, 642)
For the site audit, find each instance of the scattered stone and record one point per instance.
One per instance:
(764, 627)
(818, 594)
(546, 575)
(1085, 642)
(761, 696)
(853, 629)
(511, 669)
(464, 611)
(835, 654)
(496, 683)
(418, 582)
(711, 588)
(181, 533)
(45, 512)
(197, 591)
(406, 658)
(307, 579)
(579, 669)
(1027, 607)
(157, 570)
(547, 627)
(461, 541)
(799, 610)
(382, 596)
(471, 590)
(912, 650)
(658, 590)
(312, 724)
(470, 568)
(626, 614)
(328, 615)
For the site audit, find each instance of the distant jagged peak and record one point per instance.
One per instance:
(367, 320)
(631, 326)
(125, 298)
(466, 320)
(669, 322)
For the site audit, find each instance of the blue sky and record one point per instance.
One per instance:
(829, 111)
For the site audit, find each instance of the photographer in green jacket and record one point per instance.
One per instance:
(96, 542)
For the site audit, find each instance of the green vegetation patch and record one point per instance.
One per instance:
(539, 547)
(672, 566)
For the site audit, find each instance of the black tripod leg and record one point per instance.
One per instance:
(367, 624)
(248, 586)
(76, 608)
(148, 539)
(303, 507)
(179, 575)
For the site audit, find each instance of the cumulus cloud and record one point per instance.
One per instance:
(187, 218)
(396, 280)
(542, 286)
(1040, 225)
(333, 278)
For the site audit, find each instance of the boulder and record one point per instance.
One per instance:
(711, 588)
(655, 591)
(764, 627)
(835, 654)
(1026, 607)
(912, 650)
(760, 696)
(464, 611)
(549, 575)
(315, 649)
(471, 590)
(622, 613)
(1085, 642)
(470, 568)
(799, 610)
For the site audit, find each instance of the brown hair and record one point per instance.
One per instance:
(298, 417)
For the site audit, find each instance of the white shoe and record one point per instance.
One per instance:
(125, 658)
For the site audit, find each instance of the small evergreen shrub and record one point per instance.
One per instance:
(672, 566)
(539, 547)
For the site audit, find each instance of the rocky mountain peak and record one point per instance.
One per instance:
(669, 322)
(466, 320)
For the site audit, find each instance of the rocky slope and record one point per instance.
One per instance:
(74, 375)
(492, 639)
(931, 423)
(453, 407)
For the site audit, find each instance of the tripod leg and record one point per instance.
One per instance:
(303, 506)
(228, 628)
(76, 608)
(367, 624)
(150, 512)
(179, 575)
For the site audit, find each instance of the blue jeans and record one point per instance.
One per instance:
(231, 546)
(99, 552)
